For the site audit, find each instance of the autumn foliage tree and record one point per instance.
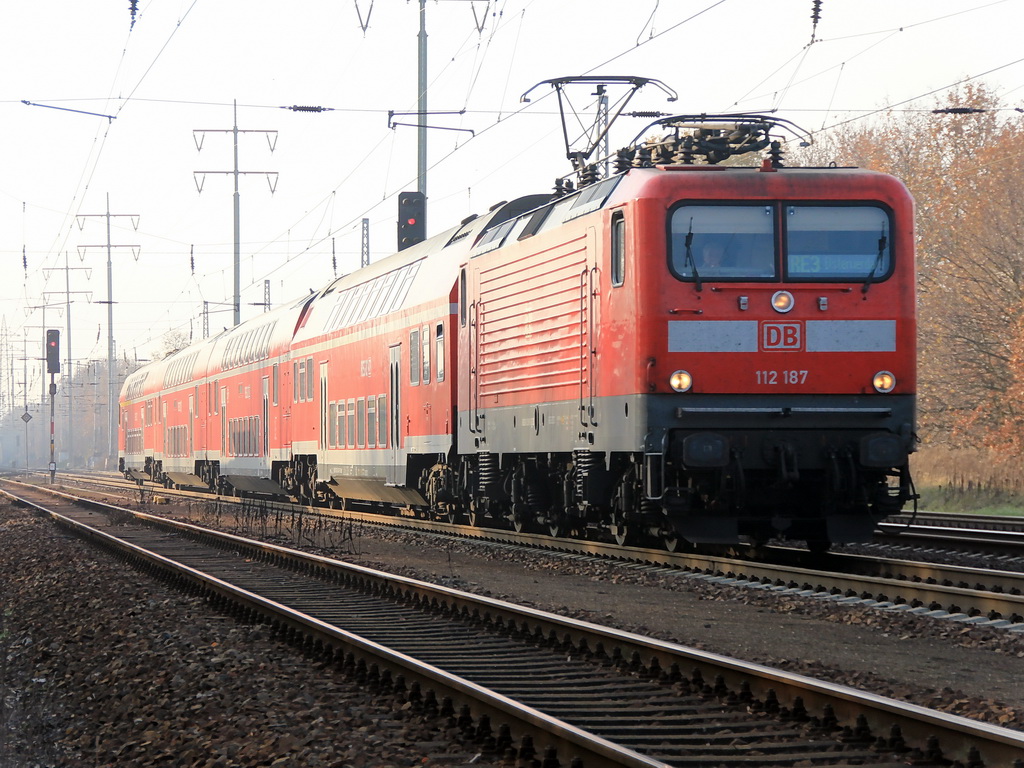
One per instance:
(966, 172)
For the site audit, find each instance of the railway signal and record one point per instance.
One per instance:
(53, 351)
(412, 219)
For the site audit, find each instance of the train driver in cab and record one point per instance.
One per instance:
(712, 258)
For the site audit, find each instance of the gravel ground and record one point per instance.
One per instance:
(142, 674)
(967, 671)
(100, 667)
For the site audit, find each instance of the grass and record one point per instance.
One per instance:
(983, 482)
(946, 499)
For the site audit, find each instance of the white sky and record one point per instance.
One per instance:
(184, 62)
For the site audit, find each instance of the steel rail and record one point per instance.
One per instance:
(960, 738)
(975, 596)
(592, 750)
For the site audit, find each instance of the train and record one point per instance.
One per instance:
(685, 349)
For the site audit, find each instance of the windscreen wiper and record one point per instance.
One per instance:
(690, 260)
(882, 241)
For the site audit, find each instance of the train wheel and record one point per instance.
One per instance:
(670, 541)
(474, 518)
(518, 524)
(622, 534)
(557, 529)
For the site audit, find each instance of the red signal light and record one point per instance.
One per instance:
(412, 216)
(53, 351)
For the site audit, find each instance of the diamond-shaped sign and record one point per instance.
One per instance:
(26, 417)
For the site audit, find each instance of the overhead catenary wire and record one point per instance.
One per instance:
(312, 223)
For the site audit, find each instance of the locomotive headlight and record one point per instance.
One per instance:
(681, 381)
(884, 382)
(782, 301)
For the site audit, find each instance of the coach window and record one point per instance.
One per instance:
(426, 354)
(837, 242)
(462, 298)
(361, 422)
(371, 422)
(618, 248)
(439, 351)
(333, 429)
(309, 378)
(415, 359)
(298, 380)
(274, 384)
(351, 423)
(382, 421)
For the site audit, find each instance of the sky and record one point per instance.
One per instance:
(116, 109)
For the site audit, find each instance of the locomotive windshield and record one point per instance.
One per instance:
(712, 242)
(739, 242)
(836, 243)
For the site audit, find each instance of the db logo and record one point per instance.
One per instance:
(780, 336)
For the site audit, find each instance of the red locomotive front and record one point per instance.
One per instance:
(781, 329)
(696, 352)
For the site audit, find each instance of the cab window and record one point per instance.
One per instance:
(723, 242)
(837, 242)
(618, 249)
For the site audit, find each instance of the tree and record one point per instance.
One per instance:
(965, 172)
(171, 342)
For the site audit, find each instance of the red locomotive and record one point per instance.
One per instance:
(681, 350)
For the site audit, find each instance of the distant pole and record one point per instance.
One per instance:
(68, 269)
(234, 131)
(53, 398)
(112, 404)
(238, 231)
(602, 127)
(71, 371)
(364, 256)
(26, 417)
(421, 131)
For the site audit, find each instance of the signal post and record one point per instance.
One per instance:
(52, 368)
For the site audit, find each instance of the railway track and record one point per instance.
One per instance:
(599, 696)
(992, 533)
(969, 596)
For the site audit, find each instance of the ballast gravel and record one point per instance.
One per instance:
(101, 666)
(104, 667)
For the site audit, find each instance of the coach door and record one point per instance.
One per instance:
(393, 473)
(223, 422)
(265, 431)
(324, 410)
